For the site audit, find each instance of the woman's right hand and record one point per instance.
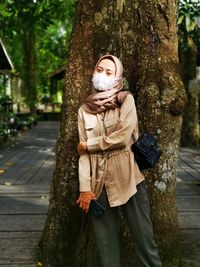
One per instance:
(85, 199)
(82, 148)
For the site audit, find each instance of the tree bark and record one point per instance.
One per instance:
(67, 238)
(161, 100)
(143, 36)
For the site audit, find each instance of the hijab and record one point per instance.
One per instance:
(100, 101)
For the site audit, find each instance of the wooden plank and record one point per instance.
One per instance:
(18, 161)
(19, 205)
(188, 203)
(25, 222)
(26, 171)
(16, 170)
(18, 251)
(190, 244)
(192, 154)
(187, 175)
(191, 173)
(20, 235)
(48, 176)
(24, 189)
(21, 264)
(189, 220)
(46, 168)
(44, 174)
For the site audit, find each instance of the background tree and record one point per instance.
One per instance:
(144, 35)
(189, 47)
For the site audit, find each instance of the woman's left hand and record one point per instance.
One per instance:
(85, 199)
(82, 148)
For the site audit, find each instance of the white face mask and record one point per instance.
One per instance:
(102, 82)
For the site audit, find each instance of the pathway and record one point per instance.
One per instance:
(188, 202)
(28, 164)
(24, 188)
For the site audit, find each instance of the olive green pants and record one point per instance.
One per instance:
(137, 214)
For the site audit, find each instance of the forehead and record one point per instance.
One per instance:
(107, 64)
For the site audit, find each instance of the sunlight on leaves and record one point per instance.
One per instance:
(1, 171)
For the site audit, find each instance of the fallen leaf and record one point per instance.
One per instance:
(27, 168)
(8, 183)
(39, 263)
(8, 163)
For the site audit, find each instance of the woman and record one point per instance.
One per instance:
(108, 126)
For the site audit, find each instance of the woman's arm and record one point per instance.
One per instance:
(84, 160)
(86, 195)
(122, 135)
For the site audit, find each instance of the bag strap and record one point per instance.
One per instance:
(140, 127)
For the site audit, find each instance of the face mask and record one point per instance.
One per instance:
(102, 82)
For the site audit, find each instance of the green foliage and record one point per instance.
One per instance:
(188, 21)
(189, 11)
(51, 21)
(10, 123)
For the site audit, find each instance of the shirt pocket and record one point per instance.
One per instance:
(111, 124)
(89, 128)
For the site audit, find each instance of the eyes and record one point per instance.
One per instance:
(99, 70)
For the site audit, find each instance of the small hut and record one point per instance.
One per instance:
(56, 85)
(10, 82)
(6, 68)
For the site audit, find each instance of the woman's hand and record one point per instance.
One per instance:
(85, 199)
(82, 148)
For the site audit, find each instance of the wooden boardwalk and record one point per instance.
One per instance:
(28, 165)
(188, 203)
(24, 187)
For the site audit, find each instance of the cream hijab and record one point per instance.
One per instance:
(100, 101)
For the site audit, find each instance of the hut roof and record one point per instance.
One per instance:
(57, 74)
(5, 61)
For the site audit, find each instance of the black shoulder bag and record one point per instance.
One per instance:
(146, 151)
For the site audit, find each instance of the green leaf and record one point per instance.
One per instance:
(190, 24)
(187, 23)
(180, 19)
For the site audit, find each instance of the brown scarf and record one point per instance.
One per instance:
(100, 101)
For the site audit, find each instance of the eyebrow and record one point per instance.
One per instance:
(102, 68)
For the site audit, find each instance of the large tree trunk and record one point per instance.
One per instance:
(161, 100)
(67, 240)
(147, 46)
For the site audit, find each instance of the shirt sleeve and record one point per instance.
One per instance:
(84, 160)
(121, 137)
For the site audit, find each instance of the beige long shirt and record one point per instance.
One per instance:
(110, 161)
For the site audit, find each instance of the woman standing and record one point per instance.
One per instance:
(108, 126)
